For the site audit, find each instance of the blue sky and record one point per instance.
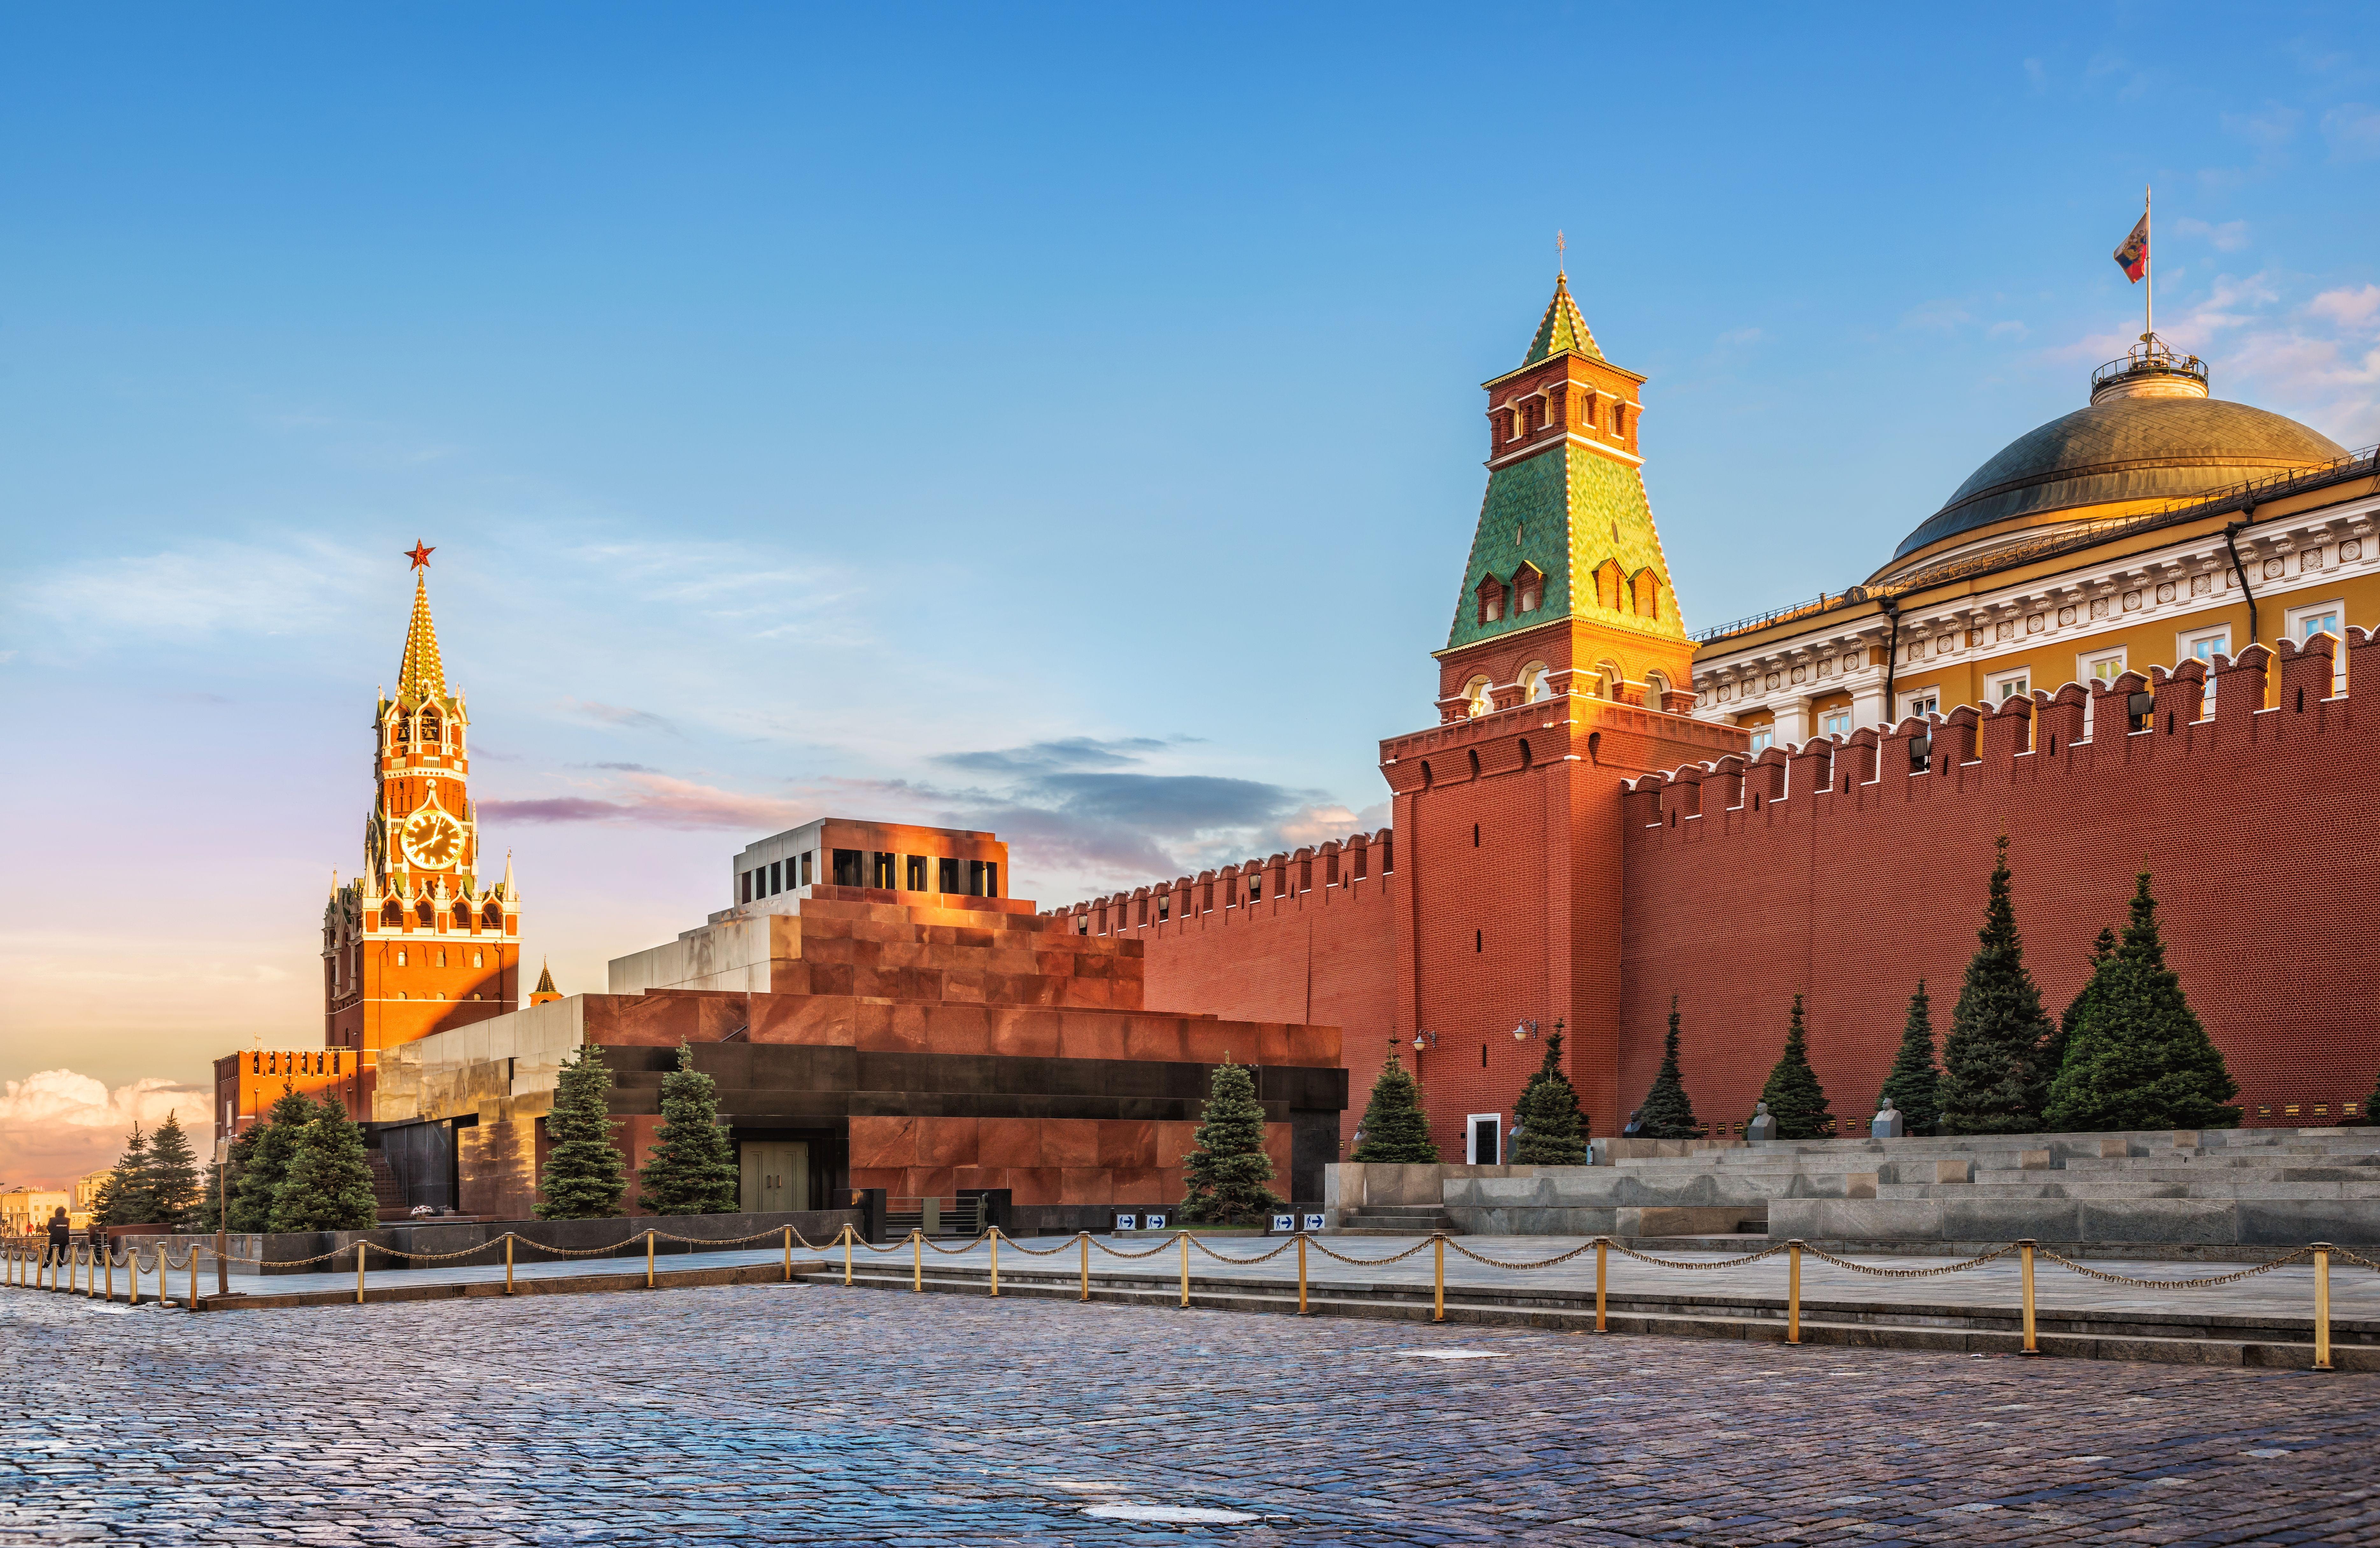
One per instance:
(1058, 420)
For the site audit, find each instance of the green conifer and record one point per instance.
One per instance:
(1795, 1099)
(1395, 1129)
(1667, 1114)
(1991, 1062)
(329, 1184)
(1227, 1178)
(1915, 1082)
(586, 1175)
(2053, 1051)
(2371, 1116)
(125, 1198)
(272, 1144)
(1553, 1130)
(2140, 1057)
(691, 1169)
(173, 1173)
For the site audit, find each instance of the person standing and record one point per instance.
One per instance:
(61, 1233)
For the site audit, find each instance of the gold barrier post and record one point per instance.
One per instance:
(1602, 1264)
(789, 1255)
(2322, 1306)
(649, 1259)
(846, 1254)
(1086, 1264)
(194, 1276)
(132, 1273)
(1185, 1271)
(918, 1260)
(110, 1297)
(508, 1262)
(361, 1248)
(2024, 1267)
(995, 1260)
(1301, 1277)
(1438, 1245)
(74, 1268)
(91, 1279)
(1793, 1291)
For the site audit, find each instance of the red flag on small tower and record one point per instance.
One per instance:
(2133, 256)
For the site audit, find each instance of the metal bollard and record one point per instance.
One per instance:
(1602, 1255)
(1301, 1277)
(1437, 1245)
(2024, 1265)
(1086, 1265)
(918, 1260)
(649, 1260)
(508, 1262)
(1793, 1291)
(194, 1276)
(846, 1254)
(1185, 1271)
(361, 1248)
(90, 1278)
(2322, 1306)
(110, 1297)
(995, 1260)
(789, 1255)
(132, 1272)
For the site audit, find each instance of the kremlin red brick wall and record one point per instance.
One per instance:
(1811, 874)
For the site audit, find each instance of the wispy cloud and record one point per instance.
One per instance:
(615, 714)
(56, 1126)
(655, 800)
(302, 585)
(1050, 757)
(2353, 131)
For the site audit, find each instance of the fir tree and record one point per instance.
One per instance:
(1227, 1179)
(173, 1173)
(1394, 1127)
(586, 1174)
(1992, 1060)
(272, 1144)
(329, 1184)
(2053, 1051)
(1795, 1099)
(2140, 1057)
(238, 1155)
(691, 1169)
(1667, 1114)
(1553, 1131)
(124, 1199)
(1915, 1083)
(2370, 1109)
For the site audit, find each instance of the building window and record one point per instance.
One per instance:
(2324, 617)
(1478, 696)
(1255, 888)
(1529, 587)
(1763, 738)
(776, 876)
(2102, 666)
(983, 879)
(881, 872)
(1837, 723)
(2014, 685)
(1491, 600)
(400, 957)
(948, 880)
(913, 878)
(743, 888)
(1925, 703)
(479, 959)
(846, 868)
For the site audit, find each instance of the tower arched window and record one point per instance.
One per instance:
(1647, 594)
(1609, 584)
(479, 959)
(1491, 600)
(462, 916)
(1535, 682)
(429, 918)
(1656, 688)
(400, 957)
(1528, 590)
(1478, 696)
(491, 916)
(391, 915)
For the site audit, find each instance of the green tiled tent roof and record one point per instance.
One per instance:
(1562, 329)
(1566, 512)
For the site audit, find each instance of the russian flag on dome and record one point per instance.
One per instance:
(2133, 256)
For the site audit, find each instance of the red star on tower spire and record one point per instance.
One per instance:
(419, 555)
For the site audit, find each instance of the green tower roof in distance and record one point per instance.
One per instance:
(1562, 328)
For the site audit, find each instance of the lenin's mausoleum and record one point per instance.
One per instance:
(2129, 641)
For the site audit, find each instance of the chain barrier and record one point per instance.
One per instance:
(2202, 1283)
(1368, 1262)
(1672, 1264)
(1826, 1257)
(1499, 1263)
(1221, 1258)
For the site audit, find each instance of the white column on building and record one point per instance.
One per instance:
(1793, 720)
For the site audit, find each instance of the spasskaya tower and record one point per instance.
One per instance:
(421, 940)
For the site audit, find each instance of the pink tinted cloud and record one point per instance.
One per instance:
(654, 800)
(57, 1124)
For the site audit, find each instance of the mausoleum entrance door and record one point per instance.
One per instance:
(776, 1175)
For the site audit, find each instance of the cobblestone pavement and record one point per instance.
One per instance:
(765, 1413)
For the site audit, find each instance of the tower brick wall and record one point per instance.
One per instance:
(1840, 874)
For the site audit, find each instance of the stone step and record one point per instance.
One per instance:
(1963, 1331)
(2050, 1186)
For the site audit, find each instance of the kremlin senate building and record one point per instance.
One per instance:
(2127, 641)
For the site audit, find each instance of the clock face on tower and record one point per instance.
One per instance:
(432, 840)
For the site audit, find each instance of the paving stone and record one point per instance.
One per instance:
(757, 1414)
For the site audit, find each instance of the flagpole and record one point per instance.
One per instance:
(2148, 264)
